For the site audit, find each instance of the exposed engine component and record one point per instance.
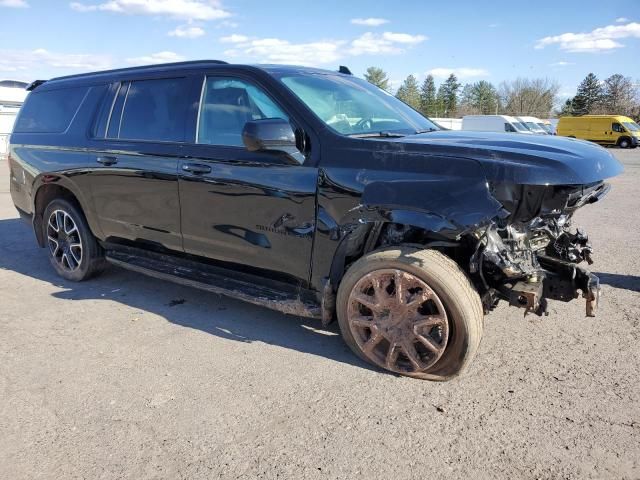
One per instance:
(525, 262)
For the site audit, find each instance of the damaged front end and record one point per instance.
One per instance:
(533, 253)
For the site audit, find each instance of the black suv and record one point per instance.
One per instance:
(307, 191)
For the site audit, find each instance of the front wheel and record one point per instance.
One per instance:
(624, 143)
(410, 311)
(73, 250)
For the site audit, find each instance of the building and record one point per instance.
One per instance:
(12, 95)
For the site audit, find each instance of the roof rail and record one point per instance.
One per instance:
(141, 67)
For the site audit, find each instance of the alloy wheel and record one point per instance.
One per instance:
(65, 243)
(398, 321)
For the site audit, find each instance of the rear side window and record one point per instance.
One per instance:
(50, 111)
(152, 110)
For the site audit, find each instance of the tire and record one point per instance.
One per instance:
(453, 341)
(73, 251)
(624, 142)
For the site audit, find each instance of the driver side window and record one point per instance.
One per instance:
(226, 105)
(616, 127)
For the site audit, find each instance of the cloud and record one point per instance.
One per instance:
(276, 50)
(183, 31)
(561, 64)
(369, 22)
(387, 43)
(493, 25)
(599, 40)
(622, 20)
(14, 3)
(159, 57)
(234, 38)
(182, 9)
(460, 72)
(39, 61)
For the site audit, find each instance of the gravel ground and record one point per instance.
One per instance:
(125, 377)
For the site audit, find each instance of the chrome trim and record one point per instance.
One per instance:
(124, 104)
(113, 104)
(204, 85)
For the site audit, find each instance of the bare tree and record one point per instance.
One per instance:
(525, 96)
(619, 95)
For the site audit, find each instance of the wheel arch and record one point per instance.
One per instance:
(47, 188)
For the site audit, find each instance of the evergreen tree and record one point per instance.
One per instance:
(567, 108)
(588, 96)
(409, 92)
(428, 96)
(450, 92)
(377, 77)
(484, 97)
(441, 100)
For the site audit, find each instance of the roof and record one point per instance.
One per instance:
(193, 64)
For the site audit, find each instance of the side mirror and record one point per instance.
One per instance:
(271, 135)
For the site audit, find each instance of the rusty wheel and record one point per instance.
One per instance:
(398, 321)
(410, 311)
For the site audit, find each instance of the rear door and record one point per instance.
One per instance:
(252, 210)
(135, 180)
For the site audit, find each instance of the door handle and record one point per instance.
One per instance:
(107, 160)
(196, 168)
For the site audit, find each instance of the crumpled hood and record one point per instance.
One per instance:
(525, 159)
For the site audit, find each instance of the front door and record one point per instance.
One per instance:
(251, 210)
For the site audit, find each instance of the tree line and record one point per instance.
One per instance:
(536, 97)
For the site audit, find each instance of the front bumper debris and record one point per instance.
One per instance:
(559, 280)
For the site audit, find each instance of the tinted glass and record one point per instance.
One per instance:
(116, 111)
(227, 104)
(49, 111)
(100, 125)
(155, 110)
(617, 128)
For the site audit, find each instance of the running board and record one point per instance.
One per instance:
(214, 279)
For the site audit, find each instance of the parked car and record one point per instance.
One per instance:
(603, 129)
(307, 191)
(493, 123)
(534, 125)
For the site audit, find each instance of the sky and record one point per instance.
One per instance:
(476, 40)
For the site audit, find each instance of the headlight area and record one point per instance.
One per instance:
(528, 263)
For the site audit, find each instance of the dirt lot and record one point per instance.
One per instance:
(125, 377)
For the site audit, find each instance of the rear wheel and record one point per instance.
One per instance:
(73, 250)
(410, 311)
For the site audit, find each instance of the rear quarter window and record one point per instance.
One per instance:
(49, 111)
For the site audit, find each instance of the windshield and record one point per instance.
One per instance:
(632, 126)
(352, 106)
(521, 127)
(534, 127)
(545, 127)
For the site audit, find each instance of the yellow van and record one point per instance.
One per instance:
(603, 129)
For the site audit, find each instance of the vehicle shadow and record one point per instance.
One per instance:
(627, 282)
(188, 307)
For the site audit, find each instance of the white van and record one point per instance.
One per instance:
(448, 123)
(535, 125)
(493, 123)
